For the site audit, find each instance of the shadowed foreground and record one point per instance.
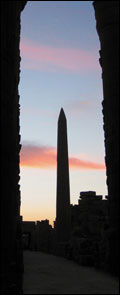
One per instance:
(48, 274)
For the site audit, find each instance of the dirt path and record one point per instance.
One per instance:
(48, 274)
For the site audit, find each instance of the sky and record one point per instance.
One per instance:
(59, 48)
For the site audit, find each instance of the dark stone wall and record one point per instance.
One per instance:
(90, 225)
(107, 22)
(11, 252)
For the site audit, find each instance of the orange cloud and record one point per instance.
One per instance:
(38, 156)
(41, 57)
(46, 157)
(82, 164)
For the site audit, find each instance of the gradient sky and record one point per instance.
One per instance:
(59, 50)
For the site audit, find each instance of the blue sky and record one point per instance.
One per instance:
(59, 68)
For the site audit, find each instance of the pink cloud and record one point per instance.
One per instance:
(46, 157)
(41, 57)
(85, 164)
(38, 156)
(77, 106)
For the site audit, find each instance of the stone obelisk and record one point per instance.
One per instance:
(63, 187)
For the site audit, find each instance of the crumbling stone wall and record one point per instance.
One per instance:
(107, 22)
(11, 255)
(89, 244)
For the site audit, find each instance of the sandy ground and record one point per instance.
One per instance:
(48, 274)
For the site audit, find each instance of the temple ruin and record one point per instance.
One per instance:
(107, 24)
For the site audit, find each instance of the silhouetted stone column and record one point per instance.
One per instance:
(107, 20)
(10, 144)
(63, 189)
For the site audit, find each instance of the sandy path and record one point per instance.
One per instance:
(48, 274)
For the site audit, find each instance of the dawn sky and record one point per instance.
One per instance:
(59, 50)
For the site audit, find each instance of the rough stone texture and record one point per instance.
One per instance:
(63, 189)
(89, 219)
(28, 227)
(38, 236)
(11, 252)
(107, 22)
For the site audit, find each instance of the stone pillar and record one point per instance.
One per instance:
(10, 143)
(63, 189)
(107, 23)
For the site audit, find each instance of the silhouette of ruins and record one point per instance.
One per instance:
(79, 231)
(107, 25)
(89, 230)
(38, 236)
(88, 239)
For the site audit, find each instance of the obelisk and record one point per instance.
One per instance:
(63, 187)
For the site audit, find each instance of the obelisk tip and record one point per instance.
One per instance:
(61, 111)
(62, 114)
